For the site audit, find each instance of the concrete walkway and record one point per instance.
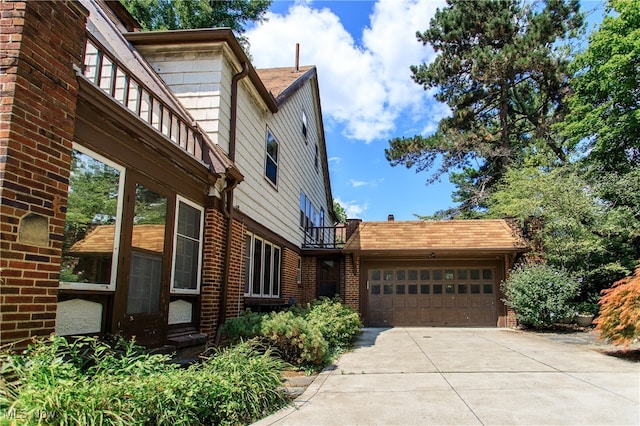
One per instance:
(472, 376)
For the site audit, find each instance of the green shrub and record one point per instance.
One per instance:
(90, 382)
(247, 326)
(337, 323)
(540, 294)
(303, 335)
(294, 338)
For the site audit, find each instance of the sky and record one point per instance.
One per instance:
(363, 51)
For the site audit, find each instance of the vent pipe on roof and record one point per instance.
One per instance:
(390, 218)
(297, 57)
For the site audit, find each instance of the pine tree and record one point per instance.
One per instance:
(502, 68)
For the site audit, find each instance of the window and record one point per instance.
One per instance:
(187, 252)
(262, 268)
(317, 158)
(304, 125)
(271, 164)
(92, 229)
(312, 220)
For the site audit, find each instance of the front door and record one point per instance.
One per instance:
(328, 277)
(141, 298)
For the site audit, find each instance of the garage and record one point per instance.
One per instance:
(434, 273)
(410, 296)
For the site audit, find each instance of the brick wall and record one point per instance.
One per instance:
(290, 286)
(213, 261)
(309, 279)
(352, 282)
(37, 116)
(235, 293)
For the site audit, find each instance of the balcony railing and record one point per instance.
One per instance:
(322, 237)
(115, 80)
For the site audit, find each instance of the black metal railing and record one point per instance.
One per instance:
(325, 237)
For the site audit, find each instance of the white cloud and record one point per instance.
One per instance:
(352, 208)
(358, 183)
(364, 89)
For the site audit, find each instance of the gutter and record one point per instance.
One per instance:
(227, 195)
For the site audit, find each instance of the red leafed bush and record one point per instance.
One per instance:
(619, 320)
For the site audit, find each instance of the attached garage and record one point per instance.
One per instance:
(434, 273)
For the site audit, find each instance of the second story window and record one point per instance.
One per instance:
(271, 163)
(304, 125)
(317, 157)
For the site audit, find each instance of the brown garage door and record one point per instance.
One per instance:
(432, 297)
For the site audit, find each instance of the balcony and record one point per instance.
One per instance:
(325, 238)
(103, 70)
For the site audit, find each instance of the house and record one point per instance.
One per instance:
(155, 184)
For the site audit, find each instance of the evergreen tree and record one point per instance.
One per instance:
(502, 68)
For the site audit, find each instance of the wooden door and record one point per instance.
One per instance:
(142, 293)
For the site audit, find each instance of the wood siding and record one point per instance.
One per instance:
(278, 208)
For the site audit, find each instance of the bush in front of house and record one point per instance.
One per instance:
(540, 295)
(619, 320)
(307, 336)
(90, 382)
(338, 324)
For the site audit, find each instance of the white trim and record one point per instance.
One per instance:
(250, 271)
(118, 225)
(173, 290)
(268, 158)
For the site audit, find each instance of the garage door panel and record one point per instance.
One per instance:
(462, 301)
(450, 302)
(437, 302)
(432, 297)
(424, 302)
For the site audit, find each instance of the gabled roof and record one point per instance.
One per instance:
(493, 235)
(282, 82)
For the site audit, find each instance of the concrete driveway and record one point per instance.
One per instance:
(469, 376)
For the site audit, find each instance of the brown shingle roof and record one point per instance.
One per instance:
(453, 235)
(278, 80)
(100, 239)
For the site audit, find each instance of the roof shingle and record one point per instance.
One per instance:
(453, 235)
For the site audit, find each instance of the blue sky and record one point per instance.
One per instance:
(363, 50)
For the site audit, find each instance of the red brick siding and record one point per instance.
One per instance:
(39, 90)
(309, 279)
(215, 241)
(351, 295)
(212, 264)
(290, 286)
(235, 292)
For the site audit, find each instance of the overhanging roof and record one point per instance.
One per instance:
(489, 235)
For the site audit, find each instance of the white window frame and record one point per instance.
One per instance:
(249, 269)
(117, 229)
(268, 157)
(305, 127)
(173, 290)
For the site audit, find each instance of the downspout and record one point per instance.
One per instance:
(227, 195)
